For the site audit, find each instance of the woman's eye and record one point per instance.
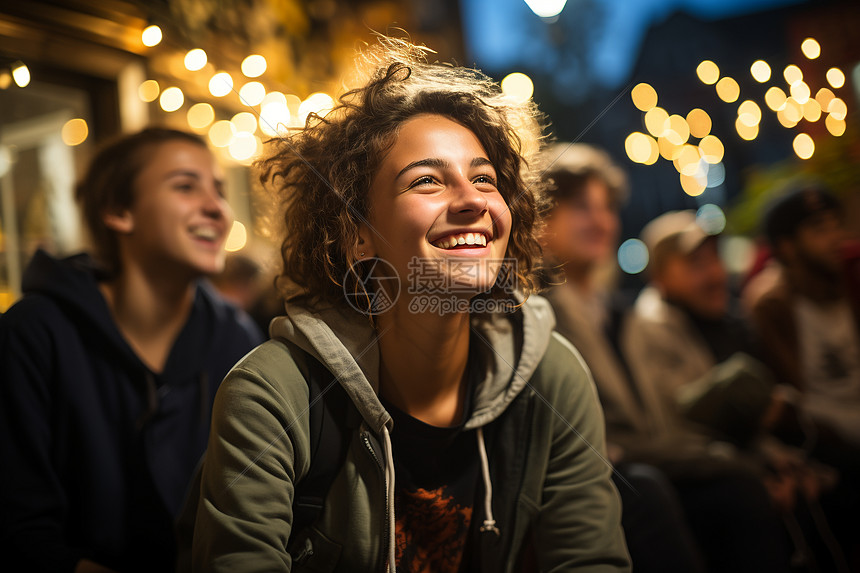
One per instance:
(425, 180)
(184, 187)
(484, 179)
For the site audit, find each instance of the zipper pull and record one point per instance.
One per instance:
(305, 553)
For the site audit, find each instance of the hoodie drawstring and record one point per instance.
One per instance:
(389, 481)
(489, 522)
(151, 402)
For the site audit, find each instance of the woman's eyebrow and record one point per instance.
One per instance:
(441, 164)
(182, 173)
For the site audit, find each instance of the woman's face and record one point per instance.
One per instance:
(436, 212)
(179, 219)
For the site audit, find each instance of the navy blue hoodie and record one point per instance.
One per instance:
(97, 450)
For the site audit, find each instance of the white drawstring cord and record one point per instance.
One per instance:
(489, 522)
(389, 480)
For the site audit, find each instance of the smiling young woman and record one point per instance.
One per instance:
(110, 364)
(406, 436)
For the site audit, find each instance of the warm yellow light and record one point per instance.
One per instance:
(687, 162)
(195, 59)
(793, 110)
(221, 84)
(810, 48)
(517, 86)
(200, 115)
(252, 93)
(638, 147)
(749, 113)
(148, 90)
(835, 78)
(823, 97)
(21, 74)
(792, 74)
(784, 119)
(760, 71)
(746, 132)
(676, 129)
(811, 110)
(711, 149)
(708, 72)
(274, 114)
(245, 122)
(318, 103)
(775, 98)
(221, 133)
(800, 92)
(834, 126)
(654, 153)
(75, 132)
(243, 146)
(254, 66)
(837, 108)
(803, 145)
(5, 79)
(237, 238)
(151, 36)
(728, 90)
(171, 99)
(692, 185)
(655, 121)
(699, 122)
(668, 150)
(644, 96)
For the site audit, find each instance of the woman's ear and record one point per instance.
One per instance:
(121, 222)
(364, 248)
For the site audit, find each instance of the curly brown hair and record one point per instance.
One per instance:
(323, 173)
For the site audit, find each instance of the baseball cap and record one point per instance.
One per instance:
(675, 232)
(787, 213)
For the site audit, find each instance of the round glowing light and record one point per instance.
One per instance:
(676, 129)
(655, 121)
(749, 113)
(148, 91)
(687, 162)
(171, 99)
(760, 71)
(716, 175)
(274, 115)
(810, 48)
(746, 132)
(195, 60)
(712, 149)
(811, 111)
(699, 122)
(5, 79)
(692, 185)
(800, 91)
(237, 238)
(644, 97)
(252, 93)
(151, 36)
(835, 78)
(317, 103)
(221, 133)
(245, 122)
(75, 132)
(737, 254)
(708, 72)
(711, 219)
(728, 90)
(243, 146)
(546, 8)
(254, 66)
(792, 74)
(200, 115)
(221, 84)
(834, 126)
(632, 256)
(775, 98)
(823, 97)
(837, 108)
(784, 119)
(638, 147)
(668, 150)
(803, 145)
(793, 110)
(654, 152)
(21, 74)
(517, 86)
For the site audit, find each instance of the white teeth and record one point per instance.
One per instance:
(477, 239)
(207, 233)
(470, 239)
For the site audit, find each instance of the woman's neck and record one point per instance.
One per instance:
(423, 363)
(150, 310)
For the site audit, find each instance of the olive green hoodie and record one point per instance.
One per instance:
(547, 495)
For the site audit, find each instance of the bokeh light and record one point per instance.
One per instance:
(151, 36)
(21, 74)
(737, 254)
(834, 126)
(692, 185)
(221, 84)
(823, 97)
(775, 98)
(800, 92)
(274, 114)
(200, 115)
(668, 150)
(760, 71)
(792, 74)
(318, 103)
(254, 66)
(148, 91)
(810, 48)
(749, 113)
(517, 86)
(221, 133)
(708, 72)
(244, 122)
(75, 132)
(811, 111)
(638, 147)
(171, 99)
(712, 149)
(195, 60)
(252, 93)
(803, 145)
(716, 175)
(644, 96)
(237, 238)
(632, 256)
(711, 219)
(655, 121)
(793, 110)
(676, 129)
(747, 132)
(243, 146)
(687, 162)
(728, 90)
(835, 77)
(837, 108)
(699, 122)
(546, 8)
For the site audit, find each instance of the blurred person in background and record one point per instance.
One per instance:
(240, 281)
(110, 364)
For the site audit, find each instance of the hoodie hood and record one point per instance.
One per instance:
(344, 341)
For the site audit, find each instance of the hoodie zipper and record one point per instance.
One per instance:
(385, 531)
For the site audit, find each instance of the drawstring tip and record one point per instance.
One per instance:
(490, 525)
